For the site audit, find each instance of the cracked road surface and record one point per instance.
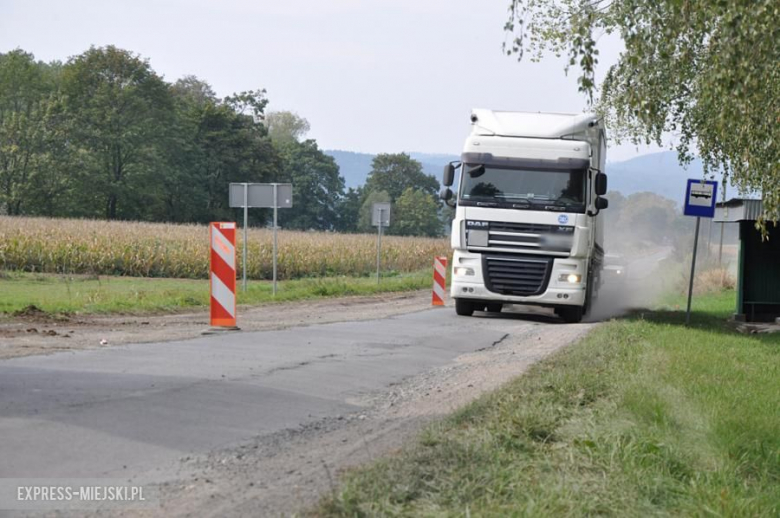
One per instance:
(256, 422)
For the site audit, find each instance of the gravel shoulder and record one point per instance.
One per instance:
(39, 333)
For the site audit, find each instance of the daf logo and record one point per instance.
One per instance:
(477, 224)
(563, 219)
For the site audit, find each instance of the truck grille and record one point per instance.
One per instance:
(529, 228)
(510, 274)
(525, 237)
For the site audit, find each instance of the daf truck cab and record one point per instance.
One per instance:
(527, 227)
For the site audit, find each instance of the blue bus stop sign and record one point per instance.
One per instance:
(700, 198)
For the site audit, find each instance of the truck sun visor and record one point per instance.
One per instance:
(489, 159)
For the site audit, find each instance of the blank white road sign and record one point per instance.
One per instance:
(261, 195)
(382, 209)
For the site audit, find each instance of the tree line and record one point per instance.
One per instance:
(104, 136)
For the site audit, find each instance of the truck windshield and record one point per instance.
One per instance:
(523, 188)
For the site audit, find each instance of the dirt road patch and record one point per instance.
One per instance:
(33, 331)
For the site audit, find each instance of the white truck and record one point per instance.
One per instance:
(527, 228)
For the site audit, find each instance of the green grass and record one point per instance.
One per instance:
(711, 307)
(643, 417)
(86, 295)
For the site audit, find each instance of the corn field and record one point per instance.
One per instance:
(95, 247)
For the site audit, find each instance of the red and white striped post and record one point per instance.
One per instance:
(222, 285)
(439, 280)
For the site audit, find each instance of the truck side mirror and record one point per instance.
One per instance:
(446, 195)
(449, 176)
(601, 184)
(600, 203)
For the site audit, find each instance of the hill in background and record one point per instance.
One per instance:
(659, 173)
(355, 167)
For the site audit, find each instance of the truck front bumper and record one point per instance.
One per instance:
(558, 292)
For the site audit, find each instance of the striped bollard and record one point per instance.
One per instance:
(439, 280)
(222, 286)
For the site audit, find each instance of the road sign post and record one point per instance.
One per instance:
(699, 202)
(246, 224)
(379, 246)
(693, 269)
(276, 210)
(261, 195)
(380, 217)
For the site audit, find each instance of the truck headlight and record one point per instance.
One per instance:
(572, 278)
(462, 270)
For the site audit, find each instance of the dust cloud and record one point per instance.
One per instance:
(636, 287)
(650, 242)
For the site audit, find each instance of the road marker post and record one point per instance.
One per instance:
(439, 280)
(222, 278)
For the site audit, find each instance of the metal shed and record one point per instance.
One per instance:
(758, 271)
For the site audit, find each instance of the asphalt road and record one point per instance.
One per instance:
(126, 410)
(129, 411)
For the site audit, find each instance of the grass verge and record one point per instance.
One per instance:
(643, 417)
(86, 295)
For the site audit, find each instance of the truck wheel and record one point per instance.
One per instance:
(570, 314)
(589, 296)
(494, 307)
(464, 308)
(591, 292)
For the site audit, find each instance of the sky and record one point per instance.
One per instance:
(378, 76)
